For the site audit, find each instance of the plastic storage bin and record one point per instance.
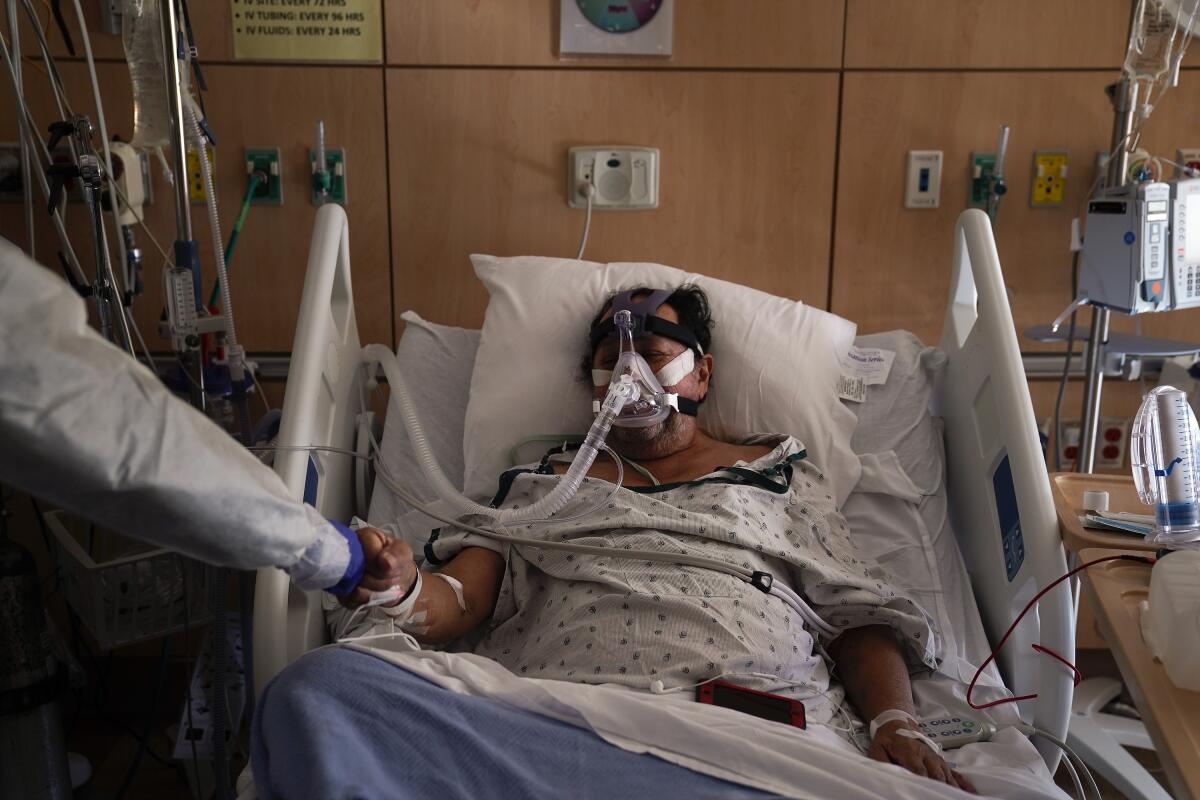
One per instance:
(124, 592)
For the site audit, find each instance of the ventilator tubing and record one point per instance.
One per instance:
(619, 393)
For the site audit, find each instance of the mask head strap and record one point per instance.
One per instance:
(644, 321)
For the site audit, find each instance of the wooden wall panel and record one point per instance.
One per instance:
(708, 33)
(891, 264)
(268, 264)
(478, 164)
(972, 34)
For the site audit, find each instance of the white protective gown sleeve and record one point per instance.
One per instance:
(87, 427)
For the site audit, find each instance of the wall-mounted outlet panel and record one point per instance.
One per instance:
(1189, 158)
(335, 162)
(196, 191)
(1111, 443)
(266, 161)
(923, 181)
(1068, 448)
(1049, 179)
(983, 166)
(624, 177)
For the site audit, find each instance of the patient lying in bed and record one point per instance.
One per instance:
(563, 616)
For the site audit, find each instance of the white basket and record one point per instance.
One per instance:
(132, 594)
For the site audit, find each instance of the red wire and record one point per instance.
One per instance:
(1038, 647)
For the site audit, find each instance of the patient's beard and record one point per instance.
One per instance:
(654, 441)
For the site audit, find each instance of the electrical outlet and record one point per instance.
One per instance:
(335, 162)
(923, 184)
(196, 191)
(1189, 158)
(983, 166)
(1111, 443)
(1068, 448)
(1049, 179)
(624, 177)
(266, 161)
(1101, 178)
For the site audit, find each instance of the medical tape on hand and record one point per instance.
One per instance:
(671, 373)
(403, 610)
(457, 586)
(893, 714)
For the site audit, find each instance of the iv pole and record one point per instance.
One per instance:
(186, 251)
(1124, 108)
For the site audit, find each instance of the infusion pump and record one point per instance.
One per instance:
(1137, 257)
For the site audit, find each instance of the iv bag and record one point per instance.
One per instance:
(1162, 452)
(141, 30)
(1158, 39)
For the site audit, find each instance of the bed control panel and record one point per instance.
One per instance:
(1009, 517)
(955, 731)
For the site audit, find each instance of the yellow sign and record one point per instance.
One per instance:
(307, 30)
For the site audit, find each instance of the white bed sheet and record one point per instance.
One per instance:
(812, 763)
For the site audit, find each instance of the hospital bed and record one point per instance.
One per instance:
(999, 500)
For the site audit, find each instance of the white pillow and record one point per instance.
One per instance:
(776, 363)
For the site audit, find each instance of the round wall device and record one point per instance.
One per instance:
(622, 17)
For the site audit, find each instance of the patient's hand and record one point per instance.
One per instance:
(389, 562)
(914, 755)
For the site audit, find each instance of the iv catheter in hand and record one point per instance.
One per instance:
(634, 387)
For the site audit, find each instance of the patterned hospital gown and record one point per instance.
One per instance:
(590, 619)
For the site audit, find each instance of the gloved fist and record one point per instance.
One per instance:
(388, 562)
(914, 755)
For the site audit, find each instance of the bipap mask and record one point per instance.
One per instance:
(647, 402)
(652, 403)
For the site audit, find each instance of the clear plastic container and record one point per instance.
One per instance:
(141, 30)
(1163, 453)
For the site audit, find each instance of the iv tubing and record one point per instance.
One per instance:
(113, 206)
(31, 130)
(14, 32)
(234, 352)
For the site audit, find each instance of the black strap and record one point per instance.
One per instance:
(431, 557)
(644, 326)
(688, 406)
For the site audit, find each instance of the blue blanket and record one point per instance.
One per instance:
(341, 723)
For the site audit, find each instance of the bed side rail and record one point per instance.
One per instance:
(1000, 501)
(320, 407)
